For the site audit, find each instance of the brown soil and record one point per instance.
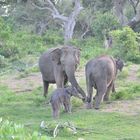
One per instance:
(133, 73)
(28, 83)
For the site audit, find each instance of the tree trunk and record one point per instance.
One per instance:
(119, 11)
(68, 30)
(68, 22)
(136, 19)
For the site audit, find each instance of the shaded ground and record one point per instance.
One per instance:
(33, 81)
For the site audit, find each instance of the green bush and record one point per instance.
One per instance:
(125, 44)
(3, 62)
(19, 43)
(104, 23)
(90, 47)
(76, 102)
(12, 131)
(53, 38)
(131, 91)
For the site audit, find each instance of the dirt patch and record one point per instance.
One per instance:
(131, 107)
(133, 73)
(28, 83)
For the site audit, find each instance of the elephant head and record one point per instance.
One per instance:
(68, 58)
(119, 64)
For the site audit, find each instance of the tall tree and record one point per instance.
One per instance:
(119, 11)
(136, 19)
(119, 6)
(67, 22)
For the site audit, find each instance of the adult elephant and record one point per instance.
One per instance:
(58, 65)
(101, 73)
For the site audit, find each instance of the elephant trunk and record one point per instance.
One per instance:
(72, 80)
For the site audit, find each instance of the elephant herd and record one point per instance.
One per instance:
(58, 65)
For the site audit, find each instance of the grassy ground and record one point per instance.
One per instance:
(30, 108)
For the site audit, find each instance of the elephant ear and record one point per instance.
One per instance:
(56, 54)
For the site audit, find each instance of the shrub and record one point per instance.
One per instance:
(131, 91)
(125, 44)
(104, 23)
(53, 38)
(90, 47)
(10, 130)
(21, 43)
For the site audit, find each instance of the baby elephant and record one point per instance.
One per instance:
(61, 96)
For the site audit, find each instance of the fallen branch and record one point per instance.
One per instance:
(53, 129)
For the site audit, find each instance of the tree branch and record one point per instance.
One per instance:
(41, 8)
(52, 9)
(77, 9)
(134, 5)
(136, 19)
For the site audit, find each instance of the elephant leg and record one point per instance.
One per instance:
(101, 90)
(113, 88)
(89, 97)
(55, 113)
(46, 85)
(55, 109)
(59, 77)
(67, 107)
(106, 97)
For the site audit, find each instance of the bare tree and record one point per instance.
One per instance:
(67, 22)
(119, 6)
(119, 11)
(136, 19)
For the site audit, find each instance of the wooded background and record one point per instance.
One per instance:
(28, 26)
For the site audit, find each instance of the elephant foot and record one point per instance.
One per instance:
(89, 106)
(97, 108)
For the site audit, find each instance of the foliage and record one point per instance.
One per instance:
(3, 61)
(90, 47)
(53, 37)
(18, 44)
(125, 44)
(129, 91)
(123, 74)
(11, 130)
(103, 24)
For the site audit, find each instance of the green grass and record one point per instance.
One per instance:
(31, 108)
(127, 90)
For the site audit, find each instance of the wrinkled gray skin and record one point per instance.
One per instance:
(61, 96)
(58, 65)
(101, 73)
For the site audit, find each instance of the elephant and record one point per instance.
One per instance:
(61, 96)
(58, 65)
(101, 74)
